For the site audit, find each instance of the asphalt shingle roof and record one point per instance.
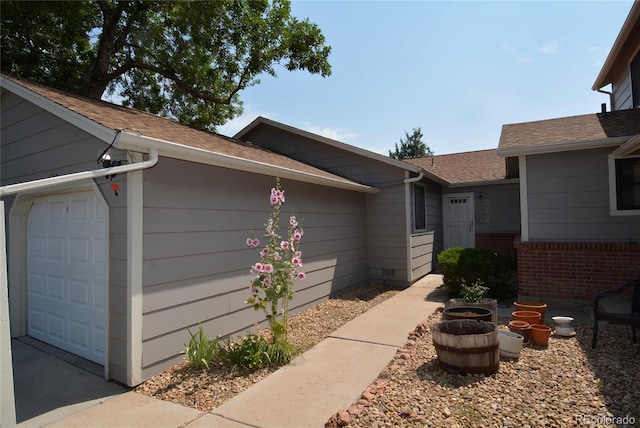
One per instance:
(135, 121)
(569, 130)
(467, 167)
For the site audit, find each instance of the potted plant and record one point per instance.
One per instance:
(474, 294)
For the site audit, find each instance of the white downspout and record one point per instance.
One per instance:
(79, 176)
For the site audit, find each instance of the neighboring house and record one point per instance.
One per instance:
(580, 186)
(480, 199)
(117, 278)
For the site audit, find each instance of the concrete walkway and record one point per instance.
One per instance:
(327, 378)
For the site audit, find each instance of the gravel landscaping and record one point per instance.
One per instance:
(207, 389)
(564, 384)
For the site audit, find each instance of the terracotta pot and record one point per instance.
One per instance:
(529, 316)
(468, 313)
(522, 328)
(532, 306)
(540, 334)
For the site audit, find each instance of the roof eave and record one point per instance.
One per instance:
(629, 147)
(99, 131)
(347, 147)
(562, 147)
(632, 18)
(170, 149)
(485, 182)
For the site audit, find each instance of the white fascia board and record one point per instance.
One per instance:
(625, 32)
(629, 147)
(485, 183)
(129, 141)
(563, 147)
(328, 141)
(99, 131)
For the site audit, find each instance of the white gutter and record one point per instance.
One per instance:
(79, 176)
(188, 153)
(414, 179)
(563, 147)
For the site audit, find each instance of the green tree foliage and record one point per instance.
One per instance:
(411, 147)
(182, 59)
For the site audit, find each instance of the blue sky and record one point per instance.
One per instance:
(458, 70)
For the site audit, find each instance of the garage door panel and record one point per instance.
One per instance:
(56, 289)
(66, 273)
(56, 327)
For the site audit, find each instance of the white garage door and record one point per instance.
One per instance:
(66, 255)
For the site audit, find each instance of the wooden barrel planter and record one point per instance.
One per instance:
(467, 346)
(467, 313)
(491, 304)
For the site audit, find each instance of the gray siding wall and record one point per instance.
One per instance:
(37, 144)
(568, 199)
(196, 262)
(497, 207)
(387, 236)
(621, 88)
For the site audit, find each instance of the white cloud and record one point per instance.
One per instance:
(236, 124)
(338, 134)
(515, 55)
(551, 48)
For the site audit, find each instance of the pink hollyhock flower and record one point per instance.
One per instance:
(292, 221)
(297, 235)
(284, 245)
(258, 267)
(301, 276)
(255, 243)
(268, 268)
(264, 251)
(249, 242)
(266, 282)
(296, 261)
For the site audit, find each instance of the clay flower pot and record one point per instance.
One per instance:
(522, 328)
(541, 308)
(529, 316)
(510, 343)
(540, 334)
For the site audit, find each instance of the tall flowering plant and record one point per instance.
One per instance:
(277, 268)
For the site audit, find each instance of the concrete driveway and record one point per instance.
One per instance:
(51, 384)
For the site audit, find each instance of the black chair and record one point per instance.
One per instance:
(632, 318)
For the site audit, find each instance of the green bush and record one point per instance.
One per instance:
(466, 265)
(249, 352)
(200, 350)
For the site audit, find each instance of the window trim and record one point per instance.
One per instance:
(634, 77)
(414, 207)
(613, 188)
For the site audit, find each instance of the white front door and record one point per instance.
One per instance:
(66, 273)
(458, 219)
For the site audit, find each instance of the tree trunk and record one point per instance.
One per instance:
(99, 73)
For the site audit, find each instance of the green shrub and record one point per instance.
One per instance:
(249, 352)
(466, 265)
(200, 350)
(281, 352)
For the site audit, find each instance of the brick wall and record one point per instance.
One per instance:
(501, 243)
(574, 271)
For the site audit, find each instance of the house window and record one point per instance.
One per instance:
(635, 80)
(419, 207)
(628, 183)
